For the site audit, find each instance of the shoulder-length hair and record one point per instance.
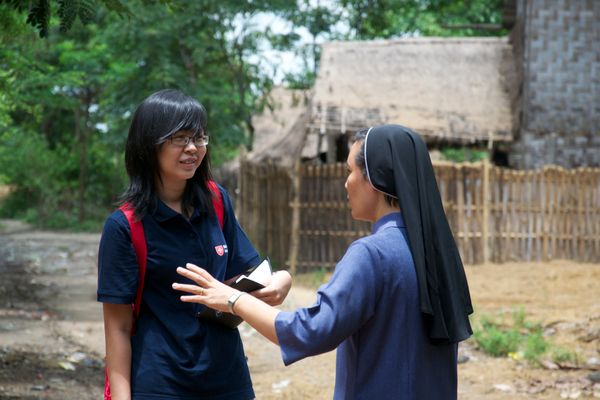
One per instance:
(158, 117)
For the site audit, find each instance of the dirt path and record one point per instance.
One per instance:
(51, 334)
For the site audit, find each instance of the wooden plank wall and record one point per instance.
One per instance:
(496, 214)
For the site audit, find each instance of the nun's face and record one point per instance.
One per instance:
(361, 195)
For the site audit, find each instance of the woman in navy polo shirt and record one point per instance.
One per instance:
(173, 354)
(398, 301)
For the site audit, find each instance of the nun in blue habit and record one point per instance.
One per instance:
(398, 301)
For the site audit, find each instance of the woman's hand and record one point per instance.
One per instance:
(208, 290)
(277, 289)
(215, 294)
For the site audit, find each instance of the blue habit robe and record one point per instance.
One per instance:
(370, 311)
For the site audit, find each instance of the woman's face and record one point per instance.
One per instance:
(179, 163)
(361, 195)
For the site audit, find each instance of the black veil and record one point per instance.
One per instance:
(398, 164)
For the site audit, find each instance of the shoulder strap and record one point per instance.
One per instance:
(138, 240)
(217, 200)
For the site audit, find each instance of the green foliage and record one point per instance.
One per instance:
(495, 340)
(300, 80)
(66, 101)
(370, 19)
(463, 154)
(69, 10)
(46, 194)
(560, 355)
(518, 339)
(39, 12)
(535, 345)
(70, 96)
(39, 16)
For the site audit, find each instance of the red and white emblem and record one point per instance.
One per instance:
(220, 250)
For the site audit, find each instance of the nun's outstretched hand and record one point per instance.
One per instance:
(207, 290)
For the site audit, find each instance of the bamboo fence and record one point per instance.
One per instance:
(300, 218)
(264, 208)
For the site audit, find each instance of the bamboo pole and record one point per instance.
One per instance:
(486, 211)
(460, 209)
(269, 196)
(295, 230)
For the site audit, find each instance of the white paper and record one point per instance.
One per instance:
(261, 274)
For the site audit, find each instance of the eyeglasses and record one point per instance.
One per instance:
(183, 141)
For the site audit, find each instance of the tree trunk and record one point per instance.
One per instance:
(81, 133)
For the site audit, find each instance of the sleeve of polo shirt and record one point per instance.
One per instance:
(343, 305)
(117, 263)
(242, 254)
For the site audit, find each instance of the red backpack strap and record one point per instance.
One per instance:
(138, 240)
(217, 200)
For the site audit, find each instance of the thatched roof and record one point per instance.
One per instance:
(457, 89)
(279, 134)
(280, 130)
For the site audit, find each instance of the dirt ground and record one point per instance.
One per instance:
(51, 334)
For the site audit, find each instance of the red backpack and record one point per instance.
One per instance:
(138, 240)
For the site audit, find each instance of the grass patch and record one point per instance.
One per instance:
(560, 355)
(518, 339)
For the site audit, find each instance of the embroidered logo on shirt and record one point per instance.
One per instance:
(221, 249)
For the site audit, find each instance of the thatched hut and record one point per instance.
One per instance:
(280, 128)
(452, 91)
(534, 95)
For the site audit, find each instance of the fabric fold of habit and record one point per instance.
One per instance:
(398, 164)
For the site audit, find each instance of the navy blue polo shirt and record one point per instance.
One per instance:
(174, 354)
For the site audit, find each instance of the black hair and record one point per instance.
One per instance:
(158, 117)
(360, 136)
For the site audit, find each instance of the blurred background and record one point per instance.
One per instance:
(72, 73)
(506, 93)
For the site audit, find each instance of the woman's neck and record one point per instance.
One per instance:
(383, 209)
(171, 194)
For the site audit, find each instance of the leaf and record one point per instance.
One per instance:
(117, 6)
(67, 12)
(39, 17)
(87, 11)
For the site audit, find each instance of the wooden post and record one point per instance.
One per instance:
(331, 148)
(269, 200)
(461, 230)
(295, 231)
(486, 211)
(242, 180)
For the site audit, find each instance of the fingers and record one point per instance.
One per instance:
(194, 273)
(197, 275)
(191, 299)
(197, 270)
(193, 289)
